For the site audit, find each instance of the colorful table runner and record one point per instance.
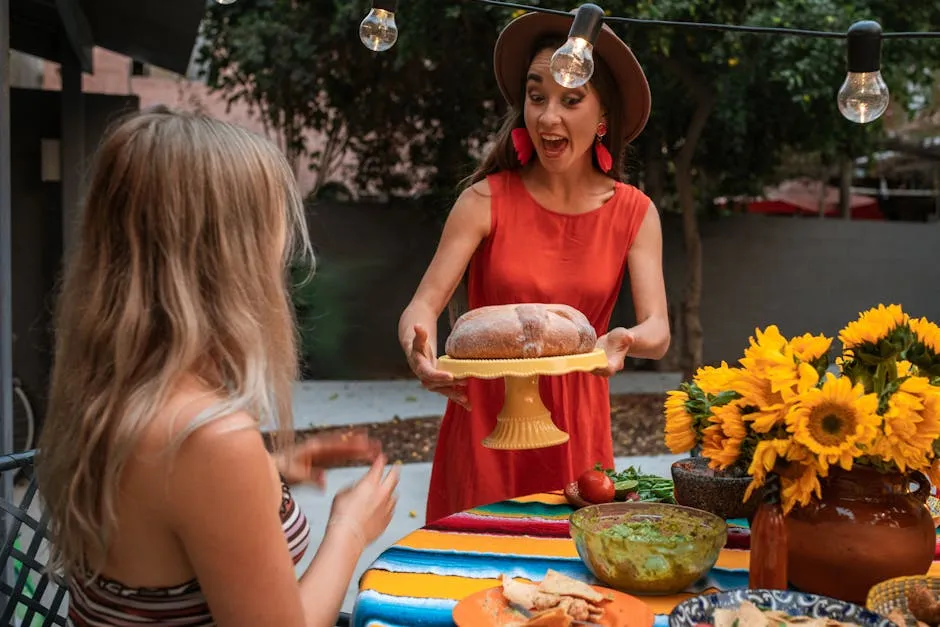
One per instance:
(417, 581)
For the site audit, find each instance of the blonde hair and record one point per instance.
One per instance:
(177, 273)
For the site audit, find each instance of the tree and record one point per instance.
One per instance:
(250, 53)
(411, 116)
(728, 105)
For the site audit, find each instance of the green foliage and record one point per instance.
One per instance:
(772, 92)
(432, 99)
(427, 102)
(323, 322)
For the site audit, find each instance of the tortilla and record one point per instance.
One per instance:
(528, 595)
(557, 599)
(556, 583)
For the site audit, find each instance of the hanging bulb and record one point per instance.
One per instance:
(226, 1)
(864, 95)
(378, 31)
(572, 65)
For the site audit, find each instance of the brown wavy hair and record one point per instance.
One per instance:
(502, 157)
(187, 227)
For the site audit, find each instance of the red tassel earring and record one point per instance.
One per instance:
(523, 145)
(604, 160)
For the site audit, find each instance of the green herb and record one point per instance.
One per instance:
(650, 488)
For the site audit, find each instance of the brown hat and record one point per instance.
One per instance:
(511, 62)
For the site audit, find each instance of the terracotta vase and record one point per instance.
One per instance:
(868, 527)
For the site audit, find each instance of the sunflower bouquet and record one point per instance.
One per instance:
(783, 410)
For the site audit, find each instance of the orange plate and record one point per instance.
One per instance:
(488, 608)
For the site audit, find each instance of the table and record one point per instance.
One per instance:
(417, 581)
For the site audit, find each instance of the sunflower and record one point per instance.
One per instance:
(680, 433)
(766, 454)
(809, 347)
(721, 451)
(755, 389)
(927, 333)
(909, 427)
(796, 465)
(933, 472)
(715, 380)
(905, 368)
(800, 486)
(766, 408)
(872, 326)
(721, 441)
(769, 354)
(773, 372)
(835, 422)
(806, 377)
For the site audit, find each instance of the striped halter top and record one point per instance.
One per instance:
(105, 603)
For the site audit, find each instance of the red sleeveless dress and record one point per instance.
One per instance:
(538, 256)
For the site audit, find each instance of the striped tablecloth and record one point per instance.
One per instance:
(417, 581)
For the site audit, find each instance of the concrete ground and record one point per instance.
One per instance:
(328, 403)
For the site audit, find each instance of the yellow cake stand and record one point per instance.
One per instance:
(523, 422)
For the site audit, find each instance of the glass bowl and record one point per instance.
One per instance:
(647, 548)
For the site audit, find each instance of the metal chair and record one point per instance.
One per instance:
(28, 594)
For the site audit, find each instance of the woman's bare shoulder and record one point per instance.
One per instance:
(479, 194)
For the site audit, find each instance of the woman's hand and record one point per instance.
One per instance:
(616, 344)
(423, 363)
(365, 508)
(307, 460)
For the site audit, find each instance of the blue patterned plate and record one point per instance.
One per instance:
(699, 609)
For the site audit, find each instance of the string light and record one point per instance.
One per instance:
(572, 65)
(864, 95)
(798, 32)
(378, 31)
(862, 98)
(226, 1)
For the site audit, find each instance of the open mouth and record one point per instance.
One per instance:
(553, 144)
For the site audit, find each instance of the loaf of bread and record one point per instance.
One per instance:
(520, 331)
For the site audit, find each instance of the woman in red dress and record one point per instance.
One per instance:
(547, 219)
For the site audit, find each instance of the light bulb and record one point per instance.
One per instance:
(226, 1)
(572, 65)
(378, 31)
(863, 97)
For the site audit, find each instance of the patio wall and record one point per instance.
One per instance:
(37, 224)
(806, 274)
(803, 274)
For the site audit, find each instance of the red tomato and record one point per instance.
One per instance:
(596, 487)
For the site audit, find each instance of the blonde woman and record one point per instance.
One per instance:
(175, 340)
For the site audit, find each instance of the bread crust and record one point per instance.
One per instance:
(521, 331)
